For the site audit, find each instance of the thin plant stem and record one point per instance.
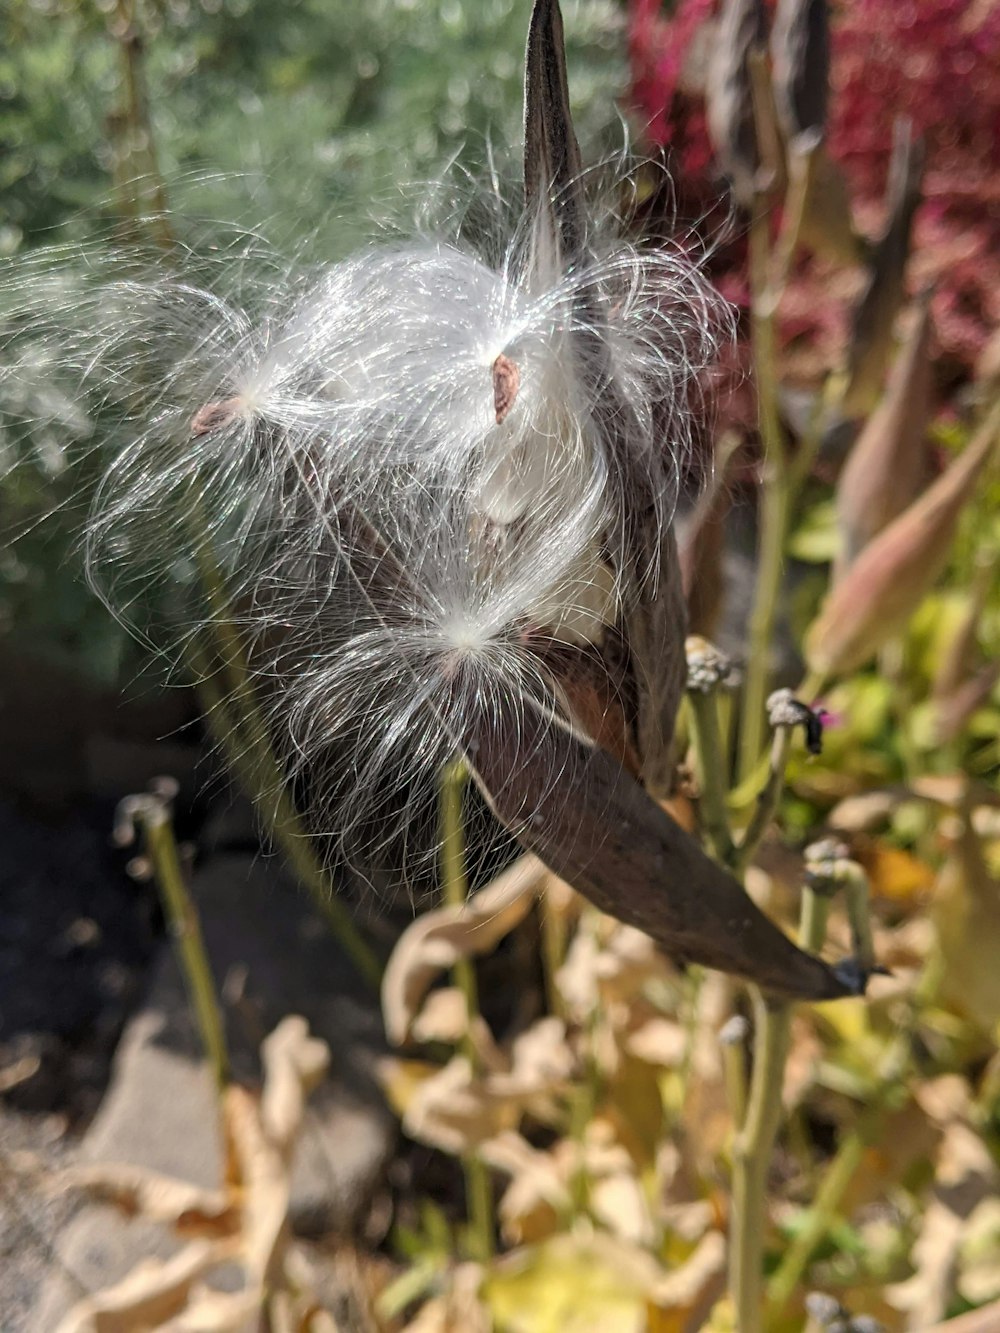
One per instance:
(774, 501)
(752, 1152)
(553, 937)
(707, 741)
(148, 202)
(185, 931)
(767, 802)
(820, 1216)
(245, 743)
(248, 754)
(838, 1176)
(455, 890)
(753, 1148)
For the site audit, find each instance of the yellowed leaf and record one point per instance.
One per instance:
(573, 1284)
(683, 1299)
(966, 914)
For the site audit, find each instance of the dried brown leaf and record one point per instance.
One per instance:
(438, 939)
(889, 464)
(152, 1293)
(817, 213)
(965, 1176)
(966, 914)
(800, 50)
(139, 1192)
(729, 95)
(294, 1064)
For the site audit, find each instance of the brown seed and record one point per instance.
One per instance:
(213, 416)
(506, 382)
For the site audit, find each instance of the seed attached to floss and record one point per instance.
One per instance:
(506, 383)
(215, 416)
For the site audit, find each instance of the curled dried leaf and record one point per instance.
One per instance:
(152, 1293)
(294, 1064)
(438, 939)
(139, 1192)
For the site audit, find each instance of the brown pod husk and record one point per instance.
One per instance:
(729, 95)
(594, 826)
(817, 207)
(800, 51)
(652, 625)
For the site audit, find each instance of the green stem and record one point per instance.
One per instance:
(752, 1153)
(553, 937)
(754, 1145)
(774, 502)
(819, 1218)
(767, 802)
(149, 195)
(185, 930)
(455, 890)
(707, 742)
(247, 751)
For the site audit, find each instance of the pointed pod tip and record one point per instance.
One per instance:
(854, 975)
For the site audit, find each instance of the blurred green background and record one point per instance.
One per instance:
(310, 122)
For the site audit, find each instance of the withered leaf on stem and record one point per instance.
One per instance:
(875, 313)
(889, 464)
(898, 568)
(818, 207)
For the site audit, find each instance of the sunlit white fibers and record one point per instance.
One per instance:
(396, 555)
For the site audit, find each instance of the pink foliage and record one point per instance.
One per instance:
(935, 61)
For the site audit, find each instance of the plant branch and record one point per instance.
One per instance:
(774, 500)
(754, 1145)
(152, 814)
(455, 890)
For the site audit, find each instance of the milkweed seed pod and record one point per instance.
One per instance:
(431, 488)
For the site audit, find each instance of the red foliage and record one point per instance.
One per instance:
(934, 61)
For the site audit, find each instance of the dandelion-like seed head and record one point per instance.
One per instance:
(411, 481)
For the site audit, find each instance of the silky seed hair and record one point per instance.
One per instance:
(386, 473)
